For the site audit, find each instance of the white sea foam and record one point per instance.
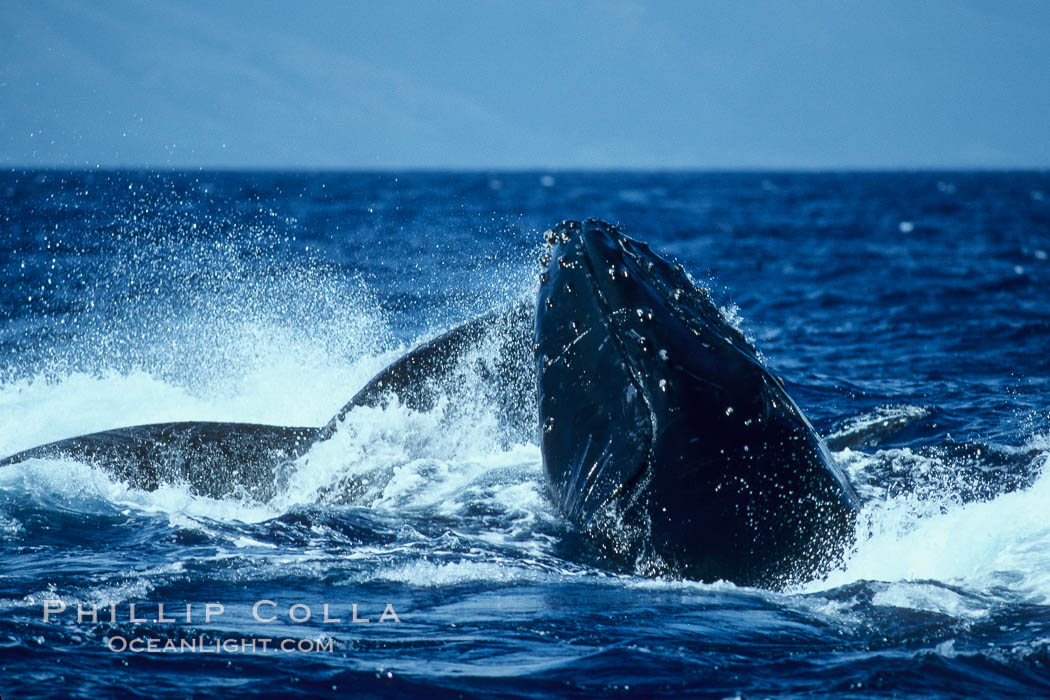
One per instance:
(983, 546)
(438, 574)
(283, 386)
(85, 488)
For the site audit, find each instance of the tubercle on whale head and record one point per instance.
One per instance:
(655, 408)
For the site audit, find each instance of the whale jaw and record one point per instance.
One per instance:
(662, 432)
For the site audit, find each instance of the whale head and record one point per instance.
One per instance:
(661, 430)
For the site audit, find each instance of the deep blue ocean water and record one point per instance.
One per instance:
(130, 298)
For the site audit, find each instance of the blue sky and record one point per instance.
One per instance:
(526, 84)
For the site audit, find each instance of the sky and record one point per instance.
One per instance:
(537, 84)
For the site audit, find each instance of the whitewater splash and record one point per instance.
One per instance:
(448, 462)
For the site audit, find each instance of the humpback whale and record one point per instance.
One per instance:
(663, 436)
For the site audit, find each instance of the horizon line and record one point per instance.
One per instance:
(552, 170)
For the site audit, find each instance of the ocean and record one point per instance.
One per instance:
(127, 297)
